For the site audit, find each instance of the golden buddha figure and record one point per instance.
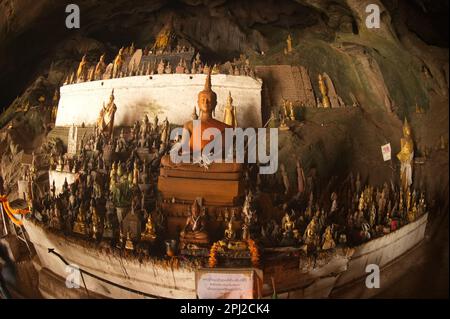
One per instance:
(194, 231)
(96, 224)
(405, 156)
(100, 68)
(80, 226)
(207, 101)
(163, 38)
(118, 63)
(288, 48)
(105, 121)
(229, 232)
(291, 111)
(324, 91)
(310, 236)
(288, 224)
(135, 173)
(82, 69)
(55, 105)
(129, 243)
(229, 115)
(149, 234)
(328, 241)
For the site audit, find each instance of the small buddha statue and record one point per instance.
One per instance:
(180, 67)
(406, 156)
(135, 179)
(229, 116)
(215, 69)
(149, 234)
(194, 231)
(55, 221)
(229, 232)
(82, 69)
(118, 63)
(96, 224)
(80, 226)
(324, 91)
(100, 68)
(327, 240)
(291, 111)
(129, 243)
(289, 44)
(310, 236)
(168, 69)
(288, 225)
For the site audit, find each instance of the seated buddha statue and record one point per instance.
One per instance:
(207, 101)
(149, 233)
(80, 226)
(194, 231)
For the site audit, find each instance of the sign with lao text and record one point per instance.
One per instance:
(226, 283)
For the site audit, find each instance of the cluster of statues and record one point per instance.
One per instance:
(353, 215)
(286, 113)
(102, 203)
(116, 173)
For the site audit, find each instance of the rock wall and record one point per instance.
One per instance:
(171, 95)
(287, 82)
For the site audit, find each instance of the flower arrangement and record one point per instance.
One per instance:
(212, 261)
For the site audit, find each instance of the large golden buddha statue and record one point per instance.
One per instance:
(220, 185)
(105, 121)
(207, 101)
(405, 156)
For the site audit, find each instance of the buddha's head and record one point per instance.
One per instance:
(207, 99)
(406, 128)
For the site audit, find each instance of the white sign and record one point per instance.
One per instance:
(225, 284)
(386, 151)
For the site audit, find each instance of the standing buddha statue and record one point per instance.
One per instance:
(324, 91)
(82, 69)
(100, 68)
(105, 121)
(405, 156)
(229, 116)
(118, 63)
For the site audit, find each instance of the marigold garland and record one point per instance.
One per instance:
(252, 247)
(254, 252)
(212, 262)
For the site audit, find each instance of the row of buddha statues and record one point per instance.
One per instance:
(123, 66)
